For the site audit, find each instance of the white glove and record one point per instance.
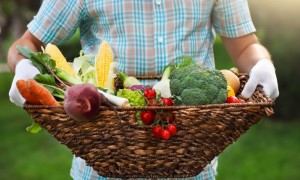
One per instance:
(24, 70)
(263, 73)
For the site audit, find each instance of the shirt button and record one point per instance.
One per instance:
(160, 39)
(158, 2)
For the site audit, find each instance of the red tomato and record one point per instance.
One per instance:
(165, 134)
(150, 93)
(167, 101)
(172, 129)
(147, 117)
(156, 130)
(233, 99)
(168, 116)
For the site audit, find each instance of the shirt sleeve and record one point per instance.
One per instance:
(231, 18)
(56, 20)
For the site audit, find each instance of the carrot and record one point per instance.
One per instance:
(41, 93)
(21, 85)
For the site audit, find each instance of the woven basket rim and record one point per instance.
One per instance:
(153, 76)
(130, 108)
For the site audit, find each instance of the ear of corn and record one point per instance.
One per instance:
(104, 66)
(59, 58)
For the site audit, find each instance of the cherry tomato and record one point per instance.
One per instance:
(168, 116)
(167, 101)
(156, 130)
(147, 117)
(233, 99)
(165, 134)
(172, 129)
(150, 93)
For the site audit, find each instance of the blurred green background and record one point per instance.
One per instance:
(269, 150)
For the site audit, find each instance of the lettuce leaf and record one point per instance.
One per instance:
(84, 69)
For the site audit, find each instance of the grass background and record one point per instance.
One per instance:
(268, 151)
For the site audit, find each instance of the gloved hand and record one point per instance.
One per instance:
(263, 73)
(24, 70)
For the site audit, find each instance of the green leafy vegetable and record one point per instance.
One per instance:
(84, 69)
(45, 79)
(55, 91)
(48, 81)
(34, 128)
(43, 62)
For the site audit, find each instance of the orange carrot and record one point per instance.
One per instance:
(21, 85)
(41, 93)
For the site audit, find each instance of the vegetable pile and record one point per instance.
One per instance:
(87, 83)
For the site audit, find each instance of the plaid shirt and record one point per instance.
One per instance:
(144, 34)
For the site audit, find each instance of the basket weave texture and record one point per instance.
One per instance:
(123, 149)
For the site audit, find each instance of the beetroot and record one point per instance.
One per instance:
(82, 101)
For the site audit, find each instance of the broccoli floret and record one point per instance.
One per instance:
(194, 85)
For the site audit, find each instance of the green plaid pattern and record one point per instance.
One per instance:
(145, 35)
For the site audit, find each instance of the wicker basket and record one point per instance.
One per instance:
(123, 149)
